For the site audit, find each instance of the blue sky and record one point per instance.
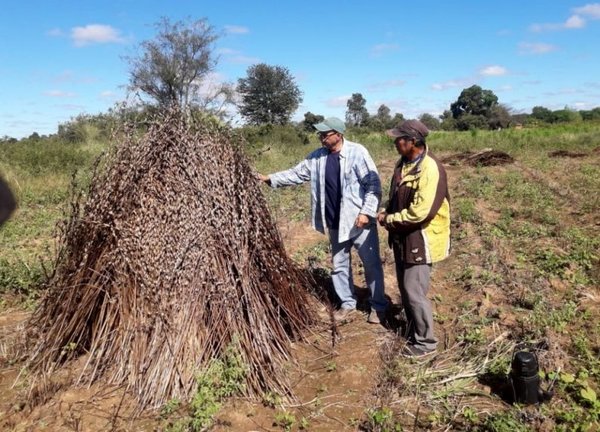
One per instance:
(62, 58)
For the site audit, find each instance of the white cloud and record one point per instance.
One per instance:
(538, 28)
(385, 85)
(395, 105)
(575, 22)
(450, 84)
(236, 57)
(536, 48)
(339, 101)
(58, 94)
(493, 70)
(582, 105)
(380, 49)
(591, 10)
(95, 33)
(236, 29)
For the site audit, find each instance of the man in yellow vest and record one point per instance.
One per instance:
(417, 218)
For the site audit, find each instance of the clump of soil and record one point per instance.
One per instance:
(486, 157)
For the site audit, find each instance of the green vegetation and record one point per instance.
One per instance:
(40, 173)
(526, 266)
(269, 95)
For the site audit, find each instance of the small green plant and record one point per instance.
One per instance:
(498, 367)
(68, 348)
(552, 263)
(557, 319)
(466, 210)
(285, 420)
(271, 399)
(470, 415)
(331, 366)
(584, 411)
(472, 335)
(505, 421)
(381, 420)
(304, 424)
(170, 407)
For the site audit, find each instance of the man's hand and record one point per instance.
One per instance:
(361, 221)
(263, 178)
(381, 219)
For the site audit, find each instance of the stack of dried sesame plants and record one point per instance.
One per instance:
(173, 257)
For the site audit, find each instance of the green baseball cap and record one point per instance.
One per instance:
(331, 123)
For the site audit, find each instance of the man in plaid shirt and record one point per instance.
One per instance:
(345, 196)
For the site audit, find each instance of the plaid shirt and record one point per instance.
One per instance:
(360, 184)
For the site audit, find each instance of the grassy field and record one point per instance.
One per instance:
(524, 270)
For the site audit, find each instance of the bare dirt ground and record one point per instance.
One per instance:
(334, 384)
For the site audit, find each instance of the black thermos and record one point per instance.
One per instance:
(524, 378)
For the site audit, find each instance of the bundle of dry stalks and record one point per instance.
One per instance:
(172, 258)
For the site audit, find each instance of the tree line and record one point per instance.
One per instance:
(177, 66)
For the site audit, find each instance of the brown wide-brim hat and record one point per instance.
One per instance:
(410, 128)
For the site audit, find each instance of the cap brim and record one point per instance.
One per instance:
(322, 127)
(395, 133)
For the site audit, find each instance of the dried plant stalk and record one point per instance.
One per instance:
(173, 256)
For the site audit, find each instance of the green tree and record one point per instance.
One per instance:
(269, 95)
(356, 114)
(384, 115)
(397, 119)
(448, 122)
(175, 67)
(475, 101)
(310, 119)
(593, 114)
(499, 117)
(34, 137)
(542, 113)
(566, 115)
(380, 121)
(430, 121)
(474, 108)
(471, 121)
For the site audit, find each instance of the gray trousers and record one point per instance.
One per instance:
(413, 281)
